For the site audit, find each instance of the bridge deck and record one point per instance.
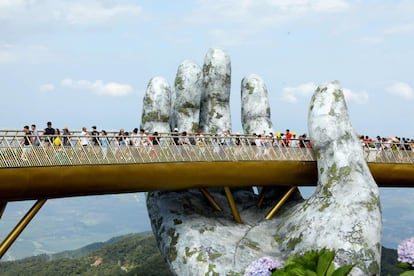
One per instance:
(50, 171)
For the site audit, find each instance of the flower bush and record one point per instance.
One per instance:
(405, 253)
(262, 267)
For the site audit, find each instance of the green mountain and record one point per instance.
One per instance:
(133, 254)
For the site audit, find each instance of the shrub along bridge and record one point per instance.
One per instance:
(79, 165)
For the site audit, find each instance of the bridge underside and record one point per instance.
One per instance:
(83, 180)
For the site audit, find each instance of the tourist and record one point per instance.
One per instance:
(26, 142)
(103, 140)
(95, 134)
(35, 134)
(66, 137)
(84, 141)
(49, 131)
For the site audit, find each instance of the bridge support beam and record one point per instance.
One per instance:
(210, 199)
(232, 203)
(276, 208)
(5, 245)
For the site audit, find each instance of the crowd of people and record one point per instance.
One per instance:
(143, 138)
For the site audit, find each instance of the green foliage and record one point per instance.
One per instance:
(313, 263)
(135, 254)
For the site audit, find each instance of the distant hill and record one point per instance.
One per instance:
(133, 254)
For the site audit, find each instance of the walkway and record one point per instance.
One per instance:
(49, 171)
(73, 168)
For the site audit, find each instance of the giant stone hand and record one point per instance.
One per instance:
(343, 213)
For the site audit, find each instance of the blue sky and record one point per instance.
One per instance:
(83, 63)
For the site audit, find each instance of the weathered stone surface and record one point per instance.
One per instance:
(215, 100)
(255, 108)
(196, 239)
(156, 106)
(187, 96)
(343, 214)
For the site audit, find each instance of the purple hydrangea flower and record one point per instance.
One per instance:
(262, 267)
(406, 251)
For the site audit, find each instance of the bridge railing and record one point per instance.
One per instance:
(19, 150)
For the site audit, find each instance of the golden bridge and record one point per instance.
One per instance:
(79, 165)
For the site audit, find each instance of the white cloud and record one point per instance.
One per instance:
(264, 12)
(95, 12)
(10, 3)
(291, 94)
(30, 16)
(359, 98)
(47, 87)
(400, 89)
(99, 87)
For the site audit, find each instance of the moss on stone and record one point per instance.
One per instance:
(195, 126)
(211, 112)
(177, 221)
(311, 107)
(374, 268)
(232, 273)
(268, 111)
(202, 230)
(249, 88)
(178, 83)
(333, 170)
(344, 171)
(188, 105)
(214, 129)
(200, 257)
(211, 271)
(373, 204)
(338, 95)
(207, 68)
(188, 252)
(148, 100)
(184, 111)
(227, 80)
(154, 116)
(172, 250)
(278, 239)
(318, 154)
(219, 116)
(251, 244)
(291, 243)
(324, 206)
(215, 256)
(164, 118)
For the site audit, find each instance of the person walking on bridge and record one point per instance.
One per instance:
(49, 131)
(26, 142)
